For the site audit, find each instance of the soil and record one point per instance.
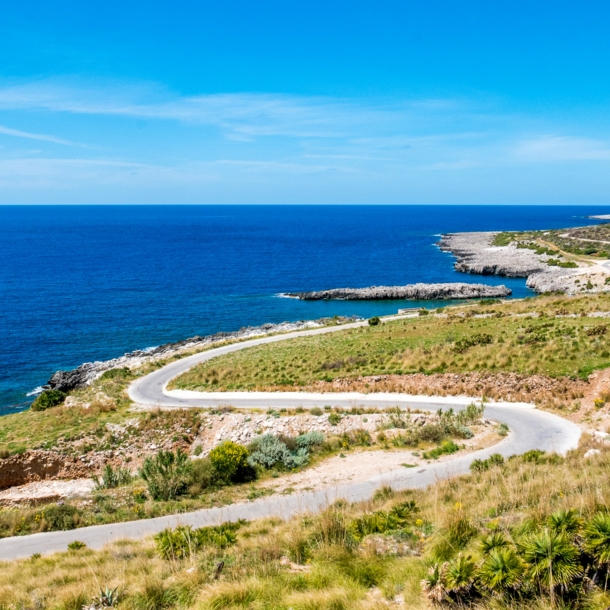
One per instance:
(361, 465)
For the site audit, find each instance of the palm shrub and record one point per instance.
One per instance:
(552, 560)
(597, 538)
(502, 570)
(184, 541)
(166, 474)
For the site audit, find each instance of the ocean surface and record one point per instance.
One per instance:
(84, 283)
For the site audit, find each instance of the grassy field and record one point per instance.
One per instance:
(549, 335)
(350, 557)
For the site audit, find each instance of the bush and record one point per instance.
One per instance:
(230, 461)
(61, 517)
(446, 447)
(166, 475)
(121, 373)
(77, 545)
(203, 476)
(184, 541)
(47, 400)
(374, 321)
(334, 419)
(268, 451)
(111, 478)
(309, 439)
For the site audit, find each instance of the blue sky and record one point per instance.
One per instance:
(304, 102)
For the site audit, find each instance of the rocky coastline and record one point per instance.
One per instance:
(476, 254)
(83, 375)
(419, 292)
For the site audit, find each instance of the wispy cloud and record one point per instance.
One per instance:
(562, 148)
(36, 136)
(270, 146)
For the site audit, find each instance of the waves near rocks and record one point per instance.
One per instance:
(82, 376)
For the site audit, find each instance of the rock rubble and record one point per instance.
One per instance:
(419, 292)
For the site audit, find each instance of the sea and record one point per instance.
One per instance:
(86, 283)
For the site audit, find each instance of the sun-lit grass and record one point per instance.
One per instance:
(311, 562)
(504, 341)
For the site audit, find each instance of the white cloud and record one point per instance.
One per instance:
(562, 148)
(35, 136)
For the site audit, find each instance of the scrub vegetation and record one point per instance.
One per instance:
(169, 482)
(528, 532)
(553, 336)
(592, 241)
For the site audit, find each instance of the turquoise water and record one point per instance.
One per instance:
(82, 283)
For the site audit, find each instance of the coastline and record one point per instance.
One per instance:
(475, 254)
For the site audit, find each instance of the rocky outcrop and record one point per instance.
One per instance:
(475, 253)
(82, 376)
(419, 292)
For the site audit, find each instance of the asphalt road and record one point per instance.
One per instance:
(529, 429)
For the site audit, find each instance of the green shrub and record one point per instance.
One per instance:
(309, 439)
(112, 478)
(462, 345)
(203, 475)
(334, 419)
(61, 517)
(316, 411)
(374, 321)
(122, 373)
(230, 461)
(76, 545)
(445, 448)
(47, 400)
(183, 541)
(381, 521)
(166, 475)
(268, 451)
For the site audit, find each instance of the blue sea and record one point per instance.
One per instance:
(84, 283)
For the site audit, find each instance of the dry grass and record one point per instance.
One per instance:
(261, 571)
(558, 340)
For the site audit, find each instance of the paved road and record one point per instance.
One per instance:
(530, 429)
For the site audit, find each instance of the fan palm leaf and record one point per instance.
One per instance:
(501, 570)
(597, 537)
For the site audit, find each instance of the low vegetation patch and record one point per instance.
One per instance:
(528, 533)
(550, 336)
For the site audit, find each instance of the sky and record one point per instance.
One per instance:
(389, 102)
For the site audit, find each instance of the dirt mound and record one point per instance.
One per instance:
(538, 389)
(39, 465)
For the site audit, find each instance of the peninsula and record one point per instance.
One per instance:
(419, 292)
(571, 261)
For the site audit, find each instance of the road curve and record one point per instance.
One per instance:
(529, 429)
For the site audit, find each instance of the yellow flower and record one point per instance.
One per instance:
(419, 523)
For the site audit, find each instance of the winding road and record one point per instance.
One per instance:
(529, 429)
